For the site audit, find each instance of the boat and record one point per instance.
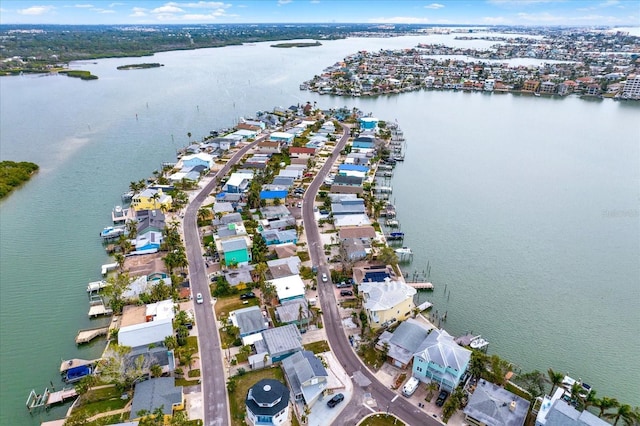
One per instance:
(392, 223)
(395, 236)
(127, 197)
(75, 374)
(112, 232)
(478, 343)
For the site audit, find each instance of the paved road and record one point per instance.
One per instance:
(216, 411)
(385, 398)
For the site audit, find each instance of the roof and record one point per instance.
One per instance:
(353, 167)
(145, 333)
(563, 414)
(158, 355)
(404, 341)
(301, 368)
(239, 275)
(156, 393)
(439, 348)
(280, 268)
(351, 220)
(357, 232)
(493, 405)
(249, 320)
(289, 311)
(283, 339)
(267, 195)
(386, 295)
(301, 150)
(234, 245)
(267, 397)
(347, 180)
(285, 250)
(289, 287)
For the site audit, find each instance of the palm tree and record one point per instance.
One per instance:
(155, 197)
(119, 258)
(432, 387)
(555, 379)
(132, 228)
(605, 403)
(478, 364)
(624, 412)
(590, 400)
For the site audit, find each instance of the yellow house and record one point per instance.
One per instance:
(151, 199)
(387, 302)
(156, 394)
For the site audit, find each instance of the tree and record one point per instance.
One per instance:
(478, 364)
(119, 258)
(261, 271)
(156, 370)
(118, 369)
(77, 418)
(606, 403)
(132, 228)
(432, 387)
(452, 404)
(555, 379)
(268, 292)
(624, 412)
(259, 249)
(116, 286)
(388, 256)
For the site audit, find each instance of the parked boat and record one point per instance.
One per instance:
(112, 232)
(392, 223)
(395, 236)
(478, 343)
(76, 374)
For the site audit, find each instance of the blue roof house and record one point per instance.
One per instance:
(368, 123)
(441, 360)
(352, 168)
(271, 196)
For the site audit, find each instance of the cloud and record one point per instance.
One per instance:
(117, 4)
(167, 8)
(314, 1)
(104, 10)
(84, 6)
(283, 2)
(434, 6)
(517, 3)
(203, 5)
(36, 10)
(400, 20)
(495, 20)
(138, 12)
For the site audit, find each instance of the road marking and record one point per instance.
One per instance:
(372, 410)
(395, 397)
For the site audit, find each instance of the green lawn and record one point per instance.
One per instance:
(227, 304)
(110, 420)
(185, 382)
(100, 401)
(318, 347)
(243, 383)
(381, 420)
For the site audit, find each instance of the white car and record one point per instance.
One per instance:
(199, 298)
(325, 278)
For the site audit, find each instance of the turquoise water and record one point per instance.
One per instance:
(525, 208)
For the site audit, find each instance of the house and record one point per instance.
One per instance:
(348, 207)
(239, 275)
(284, 267)
(288, 288)
(368, 123)
(148, 241)
(249, 320)
(280, 342)
(274, 236)
(403, 342)
(238, 182)
(146, 333)
(352, 170)
(149, 219)
(159, 393)
(283, 181)
(555, 411)
(257, 127)
(294, 311)
(269, 147)
(199, 159)
(159, 355)
(267, 403)
(244, 134)
(270, 197)
(288, 222)
(386, 302)
(151, 199)
(257, 161)
(441, 360)
(306, 376)
(548, 87)
(342, 180)
(365, 233)
(284, 250)
(491, 404)
(631, 89)
(301, 152)
(287, 138)
(355, 249)
(373, 273)
(236, 251)
(531, 86)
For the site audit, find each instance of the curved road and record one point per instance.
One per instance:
(386, 399)
(214, 388)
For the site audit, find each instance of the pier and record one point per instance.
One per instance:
(49, 397)
(422, 286)
(97, 307)
(87, 335)
(108, 267)
(96, 286)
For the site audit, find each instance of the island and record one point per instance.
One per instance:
(14, 174)
(82, 75)
(297, 44)
(140, 66)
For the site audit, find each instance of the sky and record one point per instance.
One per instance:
(447, 12)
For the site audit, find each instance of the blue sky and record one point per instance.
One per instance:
(527, 12)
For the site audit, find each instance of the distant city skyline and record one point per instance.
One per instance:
(441, 12)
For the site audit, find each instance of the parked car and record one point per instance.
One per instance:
(199, 298)
(245, 296)
(299, 204)
(442, 398)
(346, 293)
(337, 398)
(343, 284)
(325, 278)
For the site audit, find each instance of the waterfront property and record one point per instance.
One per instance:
(555, 410)
(403, 343)
(151, 199)
(491, 404)
(441, 360)
(386, 302)
(160, 393)
(267, 403)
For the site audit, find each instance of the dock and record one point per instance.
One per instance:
(96, 286)
(97, 307)
(108, 267)
(75, 362)
(422, 286)
(87, 335)
(49, 397)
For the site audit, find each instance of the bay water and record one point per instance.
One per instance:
(525, 209)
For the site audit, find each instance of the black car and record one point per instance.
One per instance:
(346, 293)
(337, 398)
(441, 398)
(245, 296)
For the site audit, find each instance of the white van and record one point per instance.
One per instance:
(410, 387)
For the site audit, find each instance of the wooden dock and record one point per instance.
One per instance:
(422, 286)
(49, 397)
(87, 335)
